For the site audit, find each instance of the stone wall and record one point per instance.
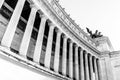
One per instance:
(115, 62)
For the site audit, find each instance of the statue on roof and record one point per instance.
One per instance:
(94, 35)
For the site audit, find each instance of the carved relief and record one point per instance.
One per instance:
(68, 21)
(68, 24)
(94, 35)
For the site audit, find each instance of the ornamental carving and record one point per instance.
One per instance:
(94, 35)
(68, 25)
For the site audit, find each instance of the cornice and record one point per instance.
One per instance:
(71, 22)
(14, 58)
(115, 54)
(70, 30)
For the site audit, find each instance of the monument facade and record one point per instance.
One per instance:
(42, 36)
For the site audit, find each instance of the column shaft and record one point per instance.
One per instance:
(1, 3)
(57, 50)
(39, 41)
(96, 71)
(64, 56)
(91, 68)
(71, 60)
(86, 67)
(10, 31)
(49, 46)
(27, 35)
(76, 64)
(81, 66)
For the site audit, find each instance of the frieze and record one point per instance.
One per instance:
(115, 54)
(68, 22)
(53, 15)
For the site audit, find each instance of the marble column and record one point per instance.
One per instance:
(82, 76)
(28, 31)
(76, 64)
(96, 71)
(71, 60)
(86, 66)
(49, 45)
(57, 50)
(1, 3)
(12, 25)
(91, 67)
(64, 56)
(38, 47)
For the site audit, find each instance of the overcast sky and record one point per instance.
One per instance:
(102, 15)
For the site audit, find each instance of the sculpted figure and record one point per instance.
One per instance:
(94, 35)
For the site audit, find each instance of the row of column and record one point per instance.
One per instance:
(83, 71)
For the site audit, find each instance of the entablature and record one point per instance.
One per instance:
(71, 23)
(75, 32)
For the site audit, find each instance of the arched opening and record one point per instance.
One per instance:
(79, 61)
(8, 8)
(84, 64)
(21, 26)
(44, 44)
(89, 65)
(67, 64)
(74, 65)
(53, 49)
(33, 38)
(61, 53)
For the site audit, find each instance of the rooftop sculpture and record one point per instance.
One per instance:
(94, 35)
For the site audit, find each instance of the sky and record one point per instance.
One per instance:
(101, 15)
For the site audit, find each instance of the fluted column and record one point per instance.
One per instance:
(76, 64)
(86, 66)
(71, 60)
(1, 3)
(81, 66)
(96, 71)
(57, 50)
(28, 31)
(64, 56)
(49, 46)
(39, 41)
(12, 25)
(91, 67)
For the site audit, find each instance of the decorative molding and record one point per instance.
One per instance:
(32, 65)
(115, 54)
(68, 26)
(69, 21)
